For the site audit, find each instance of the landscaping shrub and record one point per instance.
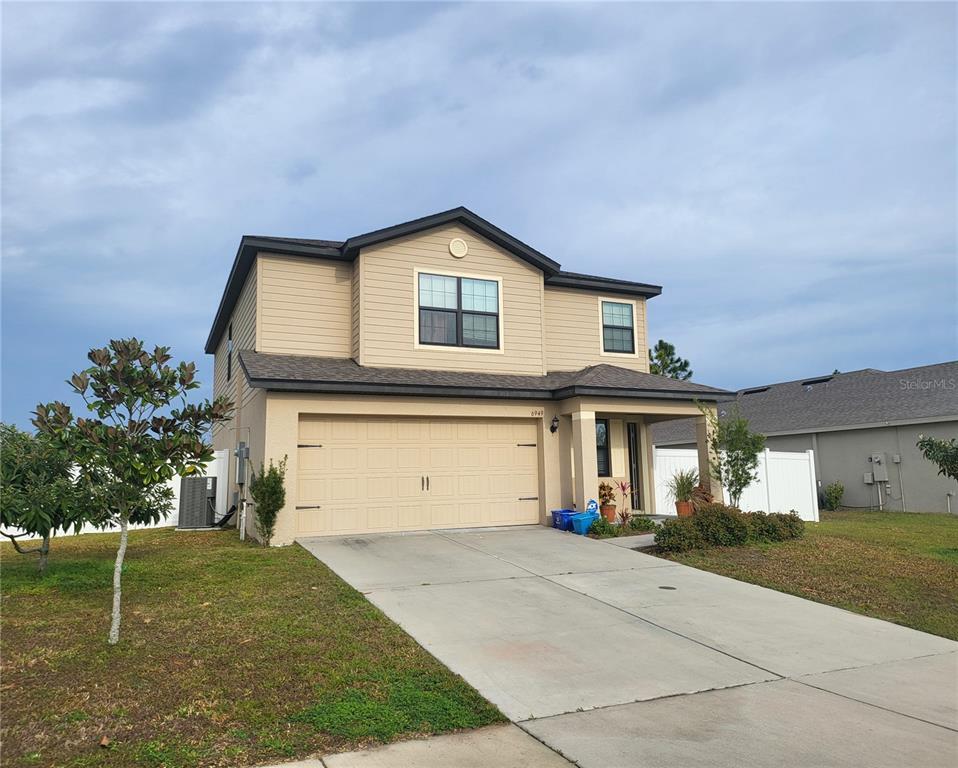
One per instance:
(679, 534)
(603, 529)
(792, 523)
(637, 523)
(721, 526)
(716, 525)
(774, 526)
(833, 495)
(269, 494)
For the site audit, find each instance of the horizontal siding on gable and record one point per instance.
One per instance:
(305, 306)
(243, 321)
(389, 308)
(573, 332)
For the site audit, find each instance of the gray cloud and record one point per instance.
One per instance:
(787, 172)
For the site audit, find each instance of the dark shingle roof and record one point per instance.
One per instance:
(298, 241)
(325, 374)
(857, 398)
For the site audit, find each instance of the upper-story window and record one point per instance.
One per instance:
(618, 328)
(458, 311)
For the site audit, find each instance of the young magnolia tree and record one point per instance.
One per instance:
(734, 451)
(40, 492)
(143, 432)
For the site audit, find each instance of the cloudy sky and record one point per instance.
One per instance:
(786, 172)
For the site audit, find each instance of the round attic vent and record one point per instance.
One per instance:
(458, 247)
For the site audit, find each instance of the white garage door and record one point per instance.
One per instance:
(393, 474)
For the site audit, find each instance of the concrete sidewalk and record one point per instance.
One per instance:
(616, 658)
(505, 746)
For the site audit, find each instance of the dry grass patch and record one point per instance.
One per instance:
(230, 654)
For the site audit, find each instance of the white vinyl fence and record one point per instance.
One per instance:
(786, 481)
(218, 468)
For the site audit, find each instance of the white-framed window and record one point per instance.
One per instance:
(458, 311)
(617, 327)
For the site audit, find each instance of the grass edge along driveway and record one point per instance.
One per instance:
(897, 566)
(230, 654)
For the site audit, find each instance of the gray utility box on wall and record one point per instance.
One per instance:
(197, 502)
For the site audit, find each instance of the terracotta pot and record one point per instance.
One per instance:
(684, 508)
(608, 512)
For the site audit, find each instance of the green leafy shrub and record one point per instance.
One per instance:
(774, 526)
(833, 495)
(721, 526)
(638, 523)
(269, 495)
(603, 529)
(794, 525)
(679, 534)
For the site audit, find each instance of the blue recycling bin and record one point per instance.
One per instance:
(582, 522)
(562, 519)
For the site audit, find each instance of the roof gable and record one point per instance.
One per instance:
(347, 250)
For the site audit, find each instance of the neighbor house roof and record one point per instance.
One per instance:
(857, 399)
(346, 250)
(303, 373)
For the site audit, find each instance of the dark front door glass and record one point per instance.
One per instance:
(635, 479)
(602, 447)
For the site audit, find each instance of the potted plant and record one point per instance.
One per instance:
(682, 488)
(607, 501)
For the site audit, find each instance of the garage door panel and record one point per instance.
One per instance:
(309, 490)
(378, 459)
(381, 487)
(370, 474)
(381, 431)
(412, 516)
(410, 457)
(441, 457)
(470, 485)
(312, 459)
(409, 486)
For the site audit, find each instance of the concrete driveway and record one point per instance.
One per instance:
(615, 658)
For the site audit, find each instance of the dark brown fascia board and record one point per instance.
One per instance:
(245, 257)
(604, 285)
(459, 215)
(422, 390)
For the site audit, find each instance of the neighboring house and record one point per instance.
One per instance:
(436, 374)
(862, 426)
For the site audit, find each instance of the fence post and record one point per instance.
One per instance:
(768, 490)
(813, 484)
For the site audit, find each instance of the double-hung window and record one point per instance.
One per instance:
(458, 311)
(618, 330)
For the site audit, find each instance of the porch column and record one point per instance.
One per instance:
(584, 460)
(703, 443)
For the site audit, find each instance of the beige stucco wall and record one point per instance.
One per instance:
(388, 304)
(305, 306)
(573, 325)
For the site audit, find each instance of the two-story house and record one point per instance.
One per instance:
(437, 374)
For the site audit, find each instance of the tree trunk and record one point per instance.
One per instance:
(44, 551)
(117, 573)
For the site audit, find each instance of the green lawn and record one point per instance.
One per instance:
(230, 654)
(900, 567)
